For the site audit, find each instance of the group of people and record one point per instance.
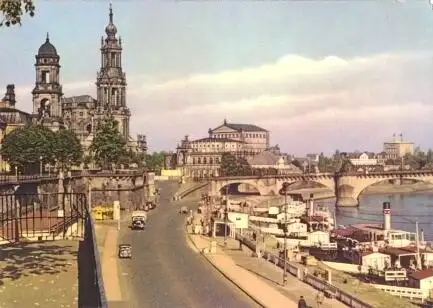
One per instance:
(319, 299)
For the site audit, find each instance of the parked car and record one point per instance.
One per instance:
(183, 210)
(125, 251)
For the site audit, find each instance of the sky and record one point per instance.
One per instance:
(319, 75)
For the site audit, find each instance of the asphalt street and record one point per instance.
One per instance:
(165, 272)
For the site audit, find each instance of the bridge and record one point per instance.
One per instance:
(347, 187)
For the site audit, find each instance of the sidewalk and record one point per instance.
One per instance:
(255, 287)
(106, 237)
(273, 275)
(39, 274)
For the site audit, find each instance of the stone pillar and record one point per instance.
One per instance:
(214, 189)
(116, 210)
(344, 193)
(60, 190)
(347, 202)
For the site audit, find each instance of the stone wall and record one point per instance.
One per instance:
(131, 191)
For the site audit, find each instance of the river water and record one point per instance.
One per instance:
(406, 209)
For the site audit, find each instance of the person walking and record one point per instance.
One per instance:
(302, 303)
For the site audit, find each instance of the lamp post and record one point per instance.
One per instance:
(40, 166)
(16, 172)
(285, 187)
(225, 215)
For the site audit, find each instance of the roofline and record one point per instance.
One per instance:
(227, 124)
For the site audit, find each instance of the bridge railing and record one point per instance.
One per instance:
(315, 282)
(337, 174)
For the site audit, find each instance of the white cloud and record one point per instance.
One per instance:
(308, 104)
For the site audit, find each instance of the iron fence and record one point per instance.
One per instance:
(42, 216)
(55, 216)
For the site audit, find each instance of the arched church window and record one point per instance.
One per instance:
(204, 160)
(193, 161)
(45, 77)
(198, 160)
(211, 160)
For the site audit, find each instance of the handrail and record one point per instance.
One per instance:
(315, 282)
(329, 174)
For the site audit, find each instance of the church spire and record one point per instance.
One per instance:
(111, 29)
(111, 13)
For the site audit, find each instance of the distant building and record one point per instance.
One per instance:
(201, 158)
(269, 160)
(255, 139)
(363, 159)
(397, 148)
(313, 157)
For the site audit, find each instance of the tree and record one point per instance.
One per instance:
(108, 146)
(13, 10)
(231, 166)
(297, 164)
(26, 147)
(155, 161)
(325, 164)
(67, 148)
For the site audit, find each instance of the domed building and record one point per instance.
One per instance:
(82, 113)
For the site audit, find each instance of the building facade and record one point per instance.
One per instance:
(201, 158)
(255, 139)
(83, 113)
(397, 148)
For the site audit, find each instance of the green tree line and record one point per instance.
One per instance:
(29, 146)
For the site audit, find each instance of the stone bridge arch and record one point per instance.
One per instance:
(217, 185)
(323, 181)
(350, 187)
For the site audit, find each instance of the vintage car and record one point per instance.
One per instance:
(183, 210)
(151, 205)
(138, 223)
(125, 251)
(138, 220)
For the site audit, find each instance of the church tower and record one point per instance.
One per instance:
(47, 94)
(111, 80)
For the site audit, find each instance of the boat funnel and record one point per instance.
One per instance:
(386, 216)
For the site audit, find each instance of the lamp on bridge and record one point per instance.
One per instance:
(16, 172)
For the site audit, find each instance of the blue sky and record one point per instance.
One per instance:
(320, 75)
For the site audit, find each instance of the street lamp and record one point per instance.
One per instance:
(225, 215)
(16, 172)
(285, 187)
(40, 166)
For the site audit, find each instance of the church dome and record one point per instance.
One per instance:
(111, 29)
(47, 49)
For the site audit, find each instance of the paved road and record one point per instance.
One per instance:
(166, 273)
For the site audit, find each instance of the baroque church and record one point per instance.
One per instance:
(83, 113)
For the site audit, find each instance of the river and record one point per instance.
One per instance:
(406, 209)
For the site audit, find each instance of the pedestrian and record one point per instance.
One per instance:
(302, 303)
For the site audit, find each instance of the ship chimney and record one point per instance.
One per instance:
(311, 206)
(386, 216)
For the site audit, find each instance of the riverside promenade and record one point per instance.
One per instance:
(253, 285)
